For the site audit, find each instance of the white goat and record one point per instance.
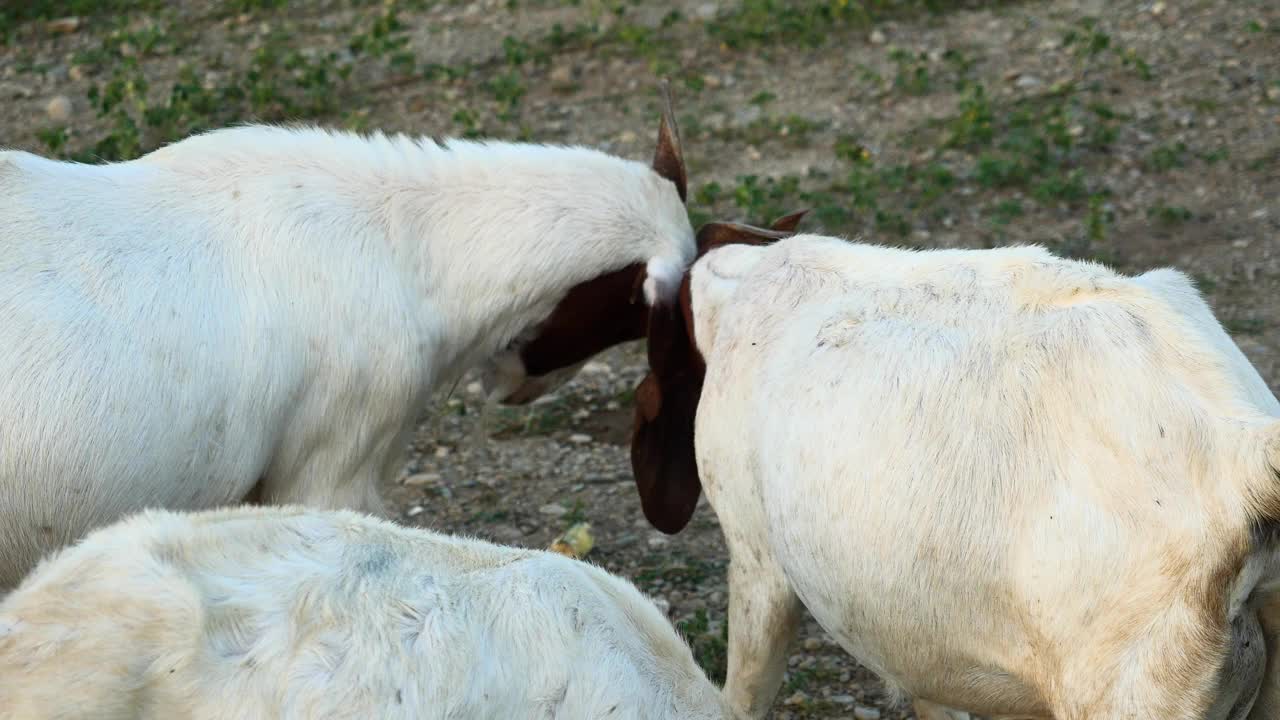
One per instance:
(268, 309)
(1008, 483)
(264, 613)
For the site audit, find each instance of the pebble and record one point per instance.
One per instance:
(843, 699)
(597, 368)
(65, 25)
(418, 479)
(76, 73)
(1028, 81)
(415, 510)
(878, 37)
(475, 388)
(748, 115)
(866, 713)
(658, 541)
(59, 109)
(800, 698)
(561, 76)
(579, 438)
(442, 452)
(812, 644)
(14, 90)
(553, 509)
(706, 11)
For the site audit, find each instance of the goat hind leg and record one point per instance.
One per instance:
(764, 615)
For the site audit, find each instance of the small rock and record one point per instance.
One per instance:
(843, 699)
(1273, 92)
(442, 452)
(706, 11)
(63, 26)
(866, 713)
(415, 510)
(561, 76)
(711, 81)
(748, 115)
(626, 137)
(553, 509)
(1158, 8)
(597, 368)
(506, 533)
(59, 109)
(1028, 81)
(658, 541)
(812, 644)
(14, 90)
(799, 698)
(878, 37)
(419, 479)
(475, 388)
(579, 438)
(75, 73)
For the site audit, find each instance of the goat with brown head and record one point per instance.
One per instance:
(602, 312)
(662, 449)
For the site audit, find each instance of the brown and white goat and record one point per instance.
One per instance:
(271, 308)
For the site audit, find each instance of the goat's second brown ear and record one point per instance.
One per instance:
(662, 449)
(668, 158)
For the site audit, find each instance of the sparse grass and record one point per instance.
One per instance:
(1250, 325)
(710, 645)
(811, 22)
(278, 83)
(1168, 157)
(1169, 214)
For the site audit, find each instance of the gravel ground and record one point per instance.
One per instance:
(1164, 149)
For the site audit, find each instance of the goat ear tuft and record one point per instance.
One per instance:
(662, 448)
(668, 158)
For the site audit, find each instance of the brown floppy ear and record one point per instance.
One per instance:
(668, 159)
(716, 234)
(662, 450)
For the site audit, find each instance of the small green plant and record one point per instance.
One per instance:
(913, 72)
(710, 648)
(1167, 157)
(1169, 214)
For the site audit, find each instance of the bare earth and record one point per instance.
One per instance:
(1140, 134)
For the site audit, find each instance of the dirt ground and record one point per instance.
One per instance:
(1140, 134)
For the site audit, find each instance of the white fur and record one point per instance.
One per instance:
(1005, 482)
(276, 303)
(265, 613)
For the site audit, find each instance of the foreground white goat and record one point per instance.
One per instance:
(1005, 482)
(276, 304)
(257, 613)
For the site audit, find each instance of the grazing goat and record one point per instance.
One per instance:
(268, 309)
(283, 612)
(1007, 483)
